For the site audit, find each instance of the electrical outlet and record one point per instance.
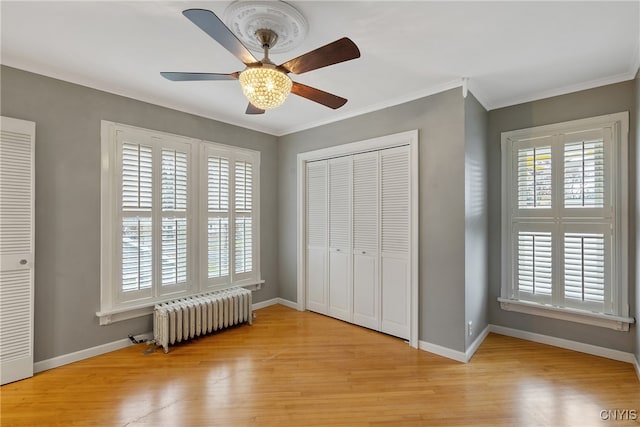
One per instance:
(470, 328)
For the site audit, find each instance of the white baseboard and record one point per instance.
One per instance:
(455, 354)
(274, 301)
(567, 344)
(65, 359)
(637, 365)
(476, 344)
(443, 351)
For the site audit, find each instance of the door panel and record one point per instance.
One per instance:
(366, 291)
(339, 285)
(316, 280)
(395, 297)
(17, 139)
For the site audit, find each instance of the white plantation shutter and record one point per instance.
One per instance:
(395, 199)
(243, 195)
(175, 167)
(534, 177)
(584, 174)
(17, 144)
(179, 217)
(586, 281)
(218, 253)
(534, 263)
(563, 216)
(365, 202)
(137, 224)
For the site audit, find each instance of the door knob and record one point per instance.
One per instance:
(23, 262)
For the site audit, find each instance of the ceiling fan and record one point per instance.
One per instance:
(265, 84)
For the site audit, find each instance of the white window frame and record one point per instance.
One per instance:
(113, 305)
(614, 216)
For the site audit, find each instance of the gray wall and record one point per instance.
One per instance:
(476, 121)
(635, 153)
(67, 261)
(440, 121)
(594, 102)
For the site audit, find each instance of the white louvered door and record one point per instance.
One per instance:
(317, 237)
(340, 288)
(358, 260)
(366, 283)
(395, 198)
(17, 143)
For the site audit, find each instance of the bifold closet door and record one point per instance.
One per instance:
(17, 143)
(317, 235)
(395, 201)
(366, 283)
(340, 288)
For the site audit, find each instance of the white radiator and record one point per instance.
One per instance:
(185, 318)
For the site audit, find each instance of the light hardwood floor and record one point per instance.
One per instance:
(302, 369)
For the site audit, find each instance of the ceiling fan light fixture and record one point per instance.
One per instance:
(265, 87)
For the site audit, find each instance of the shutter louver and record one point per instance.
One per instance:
(584, 174)
(137, 196)
(218, 251)
(244, 245)
(136, 254)
(339, 212)
(395, 199)
(584, 267)
(243, 193)
(136, 176)
(218, 247)
(174, 222)
(317, 204)
(534, 177)
(365, 202)
(174, 251)
(535, 263)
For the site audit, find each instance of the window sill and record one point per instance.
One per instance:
(107, 317)
(588, 318)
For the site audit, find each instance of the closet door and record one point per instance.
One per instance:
(366, 283)
(17, 141)
(317, 234)
(395, 266)
(340, 290)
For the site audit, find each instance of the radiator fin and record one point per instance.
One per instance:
(189, 317)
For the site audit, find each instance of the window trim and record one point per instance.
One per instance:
(619, 124)
(112, 309)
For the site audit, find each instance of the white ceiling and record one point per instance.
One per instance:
(511, 52)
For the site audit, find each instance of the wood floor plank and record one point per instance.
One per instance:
(303, 369)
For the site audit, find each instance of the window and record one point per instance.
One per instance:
(158, 192)
(565, 221)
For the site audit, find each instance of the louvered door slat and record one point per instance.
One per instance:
(17, 139)
(317, 204)
(340, 203)
(395, 200)
(340, 293)
(316, 253)
(365, 202)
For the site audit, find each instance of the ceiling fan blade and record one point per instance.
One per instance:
(212, 25)
(189, 77)
(321, 97)
(333, 53)
(252, 109)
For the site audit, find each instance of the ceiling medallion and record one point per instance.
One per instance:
(246, 17)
